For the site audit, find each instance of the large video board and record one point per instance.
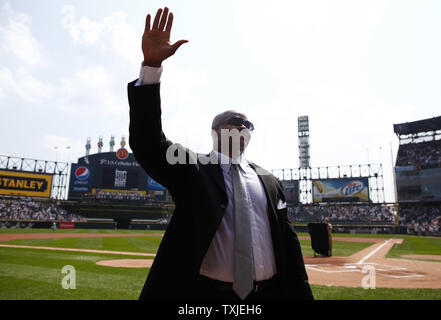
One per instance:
(341, 190)
(110, 172)
(291, 188)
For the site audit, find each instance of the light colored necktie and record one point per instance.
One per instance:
(243, 251)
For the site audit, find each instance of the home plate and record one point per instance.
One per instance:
(126, 263)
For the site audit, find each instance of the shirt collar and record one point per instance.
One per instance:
(225, 161)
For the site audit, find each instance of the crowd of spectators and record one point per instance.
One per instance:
(421, 219)
(424, 154)
(417, 219)
(344, 213)
(28, 209)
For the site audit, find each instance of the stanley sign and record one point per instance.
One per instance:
(25, 184)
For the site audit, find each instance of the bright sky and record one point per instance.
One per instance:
(354, 67)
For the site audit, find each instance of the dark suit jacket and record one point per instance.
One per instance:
(198, 191)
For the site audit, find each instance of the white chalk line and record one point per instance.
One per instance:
(373, 252)
(128, 253)
(358, 266)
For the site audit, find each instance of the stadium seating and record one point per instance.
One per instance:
(423, 154)
(27, 209)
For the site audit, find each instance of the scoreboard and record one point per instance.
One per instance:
(120, 178)
(113, 172)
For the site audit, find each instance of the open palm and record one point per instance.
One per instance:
(156, 45)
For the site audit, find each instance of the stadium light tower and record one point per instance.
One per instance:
(303, 130)
(88, 146)
(305, 183)
(100, 144)
(112, 142)
(56, 153)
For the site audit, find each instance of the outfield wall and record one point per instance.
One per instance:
(113, 210)
(358, 228)
(107, 225)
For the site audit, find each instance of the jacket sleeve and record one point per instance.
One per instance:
(295, 262)
(147, 140)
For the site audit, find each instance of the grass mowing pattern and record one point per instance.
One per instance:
(132, 244)
(150, 244)
(416, 245)
(28, 274)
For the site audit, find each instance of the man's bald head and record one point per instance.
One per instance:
(223, 117)
(231, 137)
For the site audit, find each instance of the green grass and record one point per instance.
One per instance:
(133, 244)
(339, 248)
(5, 230)
(150, 244)
(345, 293)
(28, 274)
(416, 245)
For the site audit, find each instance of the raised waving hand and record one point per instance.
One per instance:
(156, 45)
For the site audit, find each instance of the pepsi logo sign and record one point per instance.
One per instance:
(122, 154)
(351, 188)
(82, 173)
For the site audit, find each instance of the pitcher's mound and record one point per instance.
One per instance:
(126, 263)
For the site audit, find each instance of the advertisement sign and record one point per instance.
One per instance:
(120, 191)
(26, 184)
(80, 180)
(153, 185)
(66, 225)
(341, 190)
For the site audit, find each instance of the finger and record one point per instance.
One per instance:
(169, 23)
(178, 44)
(147, 23)
(163, 19)
(156, 21)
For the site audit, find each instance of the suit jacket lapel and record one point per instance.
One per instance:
(214, 171)
(268, 185)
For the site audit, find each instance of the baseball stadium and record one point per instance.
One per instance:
(90, 230)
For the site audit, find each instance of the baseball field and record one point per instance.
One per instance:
(41, 264)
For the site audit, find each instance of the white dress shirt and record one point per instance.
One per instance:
(149, 75)
(218, 262)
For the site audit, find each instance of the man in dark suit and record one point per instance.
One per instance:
(229, 236)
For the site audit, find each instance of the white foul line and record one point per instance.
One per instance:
(373, 252)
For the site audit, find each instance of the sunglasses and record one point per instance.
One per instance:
(237, 121)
